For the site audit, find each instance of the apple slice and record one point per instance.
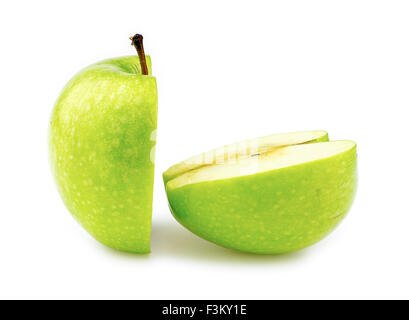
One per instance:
(277, 201)
(242, 149)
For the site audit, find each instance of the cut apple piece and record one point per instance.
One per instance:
(277, 201)
(244, 149)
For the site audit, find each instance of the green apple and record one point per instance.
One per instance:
(101, 141)
(283, 194)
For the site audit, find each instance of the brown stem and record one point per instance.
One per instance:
(137, 42)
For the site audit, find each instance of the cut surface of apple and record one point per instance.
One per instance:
(243, 149)
(274, 159)
(280, 200)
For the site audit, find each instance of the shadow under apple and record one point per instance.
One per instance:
(170, 239)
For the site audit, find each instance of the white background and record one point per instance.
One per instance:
(226, 71)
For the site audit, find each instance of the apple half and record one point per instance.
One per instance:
(270, 195)
(101, 141)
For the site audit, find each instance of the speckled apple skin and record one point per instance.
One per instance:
(274, 212)
(101, 142)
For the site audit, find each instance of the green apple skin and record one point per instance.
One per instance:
(101, 142)
(272, 212)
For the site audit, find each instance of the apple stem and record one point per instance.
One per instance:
(137, 42)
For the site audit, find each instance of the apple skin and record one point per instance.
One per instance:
(272, 212)
(101, 142)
